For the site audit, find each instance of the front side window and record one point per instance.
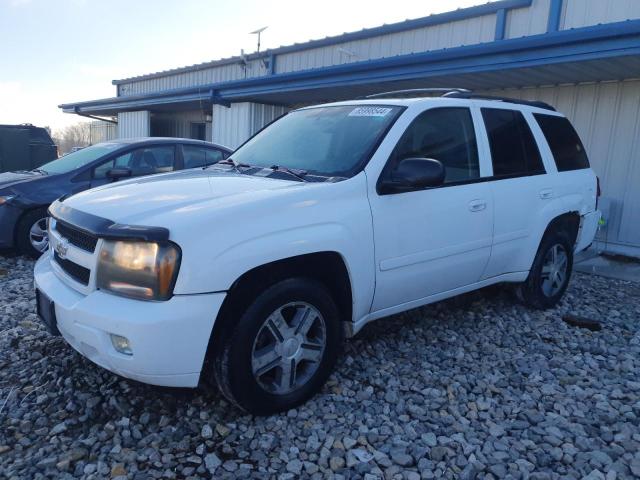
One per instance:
(564, 142)
(141, 161)
(195, 156)
(514, 151)
(446, 135)
(328, 141)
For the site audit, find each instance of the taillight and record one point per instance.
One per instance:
(598, 191)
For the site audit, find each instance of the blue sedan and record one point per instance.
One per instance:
(25, 196)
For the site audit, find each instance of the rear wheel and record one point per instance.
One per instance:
(550, 273)
(282, 348)
(32, 238)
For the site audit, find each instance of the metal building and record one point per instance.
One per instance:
(582, 56)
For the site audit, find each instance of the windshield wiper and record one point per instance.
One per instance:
(299, 174)
(39, 170)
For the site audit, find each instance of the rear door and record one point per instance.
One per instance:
(438, 239)
(519, 185)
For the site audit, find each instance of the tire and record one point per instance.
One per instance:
(547, 281)
(251, 363)
(31, 237)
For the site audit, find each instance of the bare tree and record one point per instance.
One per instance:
(77, 135)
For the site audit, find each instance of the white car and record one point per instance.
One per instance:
(250, 273)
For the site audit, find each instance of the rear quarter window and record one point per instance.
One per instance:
(564, 142)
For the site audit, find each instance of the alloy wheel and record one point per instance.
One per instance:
(554, 270)
(38, 235)
(288, 348)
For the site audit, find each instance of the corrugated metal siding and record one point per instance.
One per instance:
(580, 13)
(232, 126)
(607, 117)
(133, 124)
(221, 73)
(102, 132)
(446, 35)
(528, 21)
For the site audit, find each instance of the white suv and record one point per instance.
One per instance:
(250, 273)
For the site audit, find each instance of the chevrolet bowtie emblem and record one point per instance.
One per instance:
(62, 247)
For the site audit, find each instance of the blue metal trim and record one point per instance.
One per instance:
(555, 12)
(435, 19)
(599, 41)
(501, 23)
(272, 64)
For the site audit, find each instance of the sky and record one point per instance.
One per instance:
(62, 51)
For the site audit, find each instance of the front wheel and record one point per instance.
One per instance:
(550, 273)
(32, 238)
(282, 348)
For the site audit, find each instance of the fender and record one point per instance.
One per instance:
(231, 263)
(554, 209)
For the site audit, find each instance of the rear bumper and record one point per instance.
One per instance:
(9, 216)
(588, 228)
(169, 339)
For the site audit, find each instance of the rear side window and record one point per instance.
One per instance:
(513, 149)
(444, 134)
(564, 142)
(195, 156)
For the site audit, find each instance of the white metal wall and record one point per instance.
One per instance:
(232, 126)
(607, 117)
(222, 73)
(133, 124)
(445, 35)
(580, 13)
(528, 21)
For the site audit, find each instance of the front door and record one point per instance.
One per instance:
(437, 239)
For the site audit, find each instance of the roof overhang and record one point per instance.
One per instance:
(597, 53)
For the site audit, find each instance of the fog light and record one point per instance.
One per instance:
(121, 344)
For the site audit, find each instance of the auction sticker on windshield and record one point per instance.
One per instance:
(369, 112)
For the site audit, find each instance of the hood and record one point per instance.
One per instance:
(142, 201)
(10, 179)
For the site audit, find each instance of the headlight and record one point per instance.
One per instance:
(5, 198)
(137, 269)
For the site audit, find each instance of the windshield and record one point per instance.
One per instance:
(80, 158)
(329, 141)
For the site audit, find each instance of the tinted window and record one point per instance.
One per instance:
(444, 134)
(564, 142)
(332, 141)
(142, 161)
(513, 149)
(195, 156)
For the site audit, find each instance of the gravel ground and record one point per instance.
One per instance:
(473, 388)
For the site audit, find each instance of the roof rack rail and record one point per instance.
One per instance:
(417, 91)
(472, 96)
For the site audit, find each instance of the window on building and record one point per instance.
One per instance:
(142, 161)
(564, 142)
(195, 156)
(513, 149)
(198, 131)
(444, 134)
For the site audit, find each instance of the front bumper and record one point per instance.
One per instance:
(169, 339)
(9, 215)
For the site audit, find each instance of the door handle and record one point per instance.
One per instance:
(546, 193)
(477, 205)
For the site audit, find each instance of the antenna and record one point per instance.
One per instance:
(258, 32)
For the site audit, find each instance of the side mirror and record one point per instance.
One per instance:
(118, 173)
(412, 174)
